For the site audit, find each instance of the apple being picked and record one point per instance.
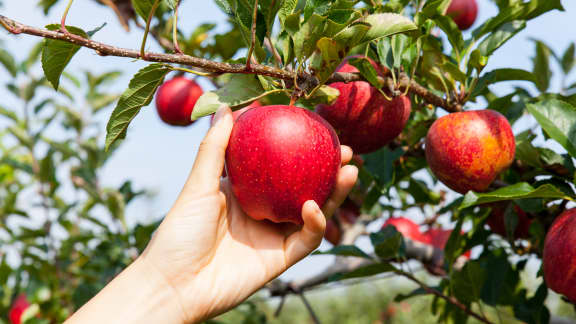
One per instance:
(468, 150)
(560, 255)
(497, 221)
(18, 307)
(175, 101)
(463, 12)
(363, 118)
(346, 214)
(407, 228)
(278, 157)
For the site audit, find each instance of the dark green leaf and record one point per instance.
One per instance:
(500, 36)
(388, 243)
(139, 94)
(56, 54)
(541, 67)
(366, 271)
(568, 59)
(240, 90)
(8, 62)
(345, 250)
(520, 190)
(558, 119)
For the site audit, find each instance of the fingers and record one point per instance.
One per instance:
(308, 238)
(205, 174)
(346, 153)
(344, 182)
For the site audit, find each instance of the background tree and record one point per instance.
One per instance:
(288, 52)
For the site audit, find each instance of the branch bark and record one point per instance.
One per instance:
(306, 79)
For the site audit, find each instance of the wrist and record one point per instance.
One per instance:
(140, 294)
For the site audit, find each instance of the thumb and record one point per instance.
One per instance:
(205, 174)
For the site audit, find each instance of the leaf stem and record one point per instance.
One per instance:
(147, 30)
(175, 30)
(253, 35)
(64, 16)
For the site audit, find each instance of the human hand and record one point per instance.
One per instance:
(207, 255)
(214, 255)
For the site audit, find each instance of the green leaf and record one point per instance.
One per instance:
(386, 24)
(454, 34)
(568, 59)
(287, 8)
(367, 70)
(541, 67)
(388, 243)
(366, 271)
(143, 7)
(520, 190)
(345, 250)
(500, 36)
(558, 120)
(171, 3)
(323, 95)
(242, 89)
(8, 114)
(502, 75)
(8, 62)
(139, 94)
(56, 54)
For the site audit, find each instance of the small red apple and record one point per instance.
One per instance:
(346, 214)
(439, 237)
(463, 12)
(18, 307)
(407, 228)
(363, 118)
(497, 222)
(468, 150)
(560, 255)
(278, 157)
(175, 101)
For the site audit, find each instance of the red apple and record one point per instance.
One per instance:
(346, 214)
(175, 101)
(467, 150)
(407, 228)
(439, 237)
(278, 157)
(363, 118)
(463, 12)
(18, 307)
(560, 255)
(497, 222)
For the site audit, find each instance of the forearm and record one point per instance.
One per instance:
(139, 294)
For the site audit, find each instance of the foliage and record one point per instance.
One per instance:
(82, 239)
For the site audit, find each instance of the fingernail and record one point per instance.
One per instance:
(218, 115)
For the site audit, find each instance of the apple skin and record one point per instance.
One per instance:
(407, 228)
(346, 214)
(17, 309)
(560, 255)
(463, 12)
(278, 157)
(468, 150)
(175, 101)
(363, 118)
(497, 222)
(439, 237)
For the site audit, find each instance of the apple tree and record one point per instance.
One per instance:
(395, 79)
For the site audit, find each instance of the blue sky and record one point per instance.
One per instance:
(159, 157)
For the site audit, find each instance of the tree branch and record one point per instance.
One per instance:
(306, 79)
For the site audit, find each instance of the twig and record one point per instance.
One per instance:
(272, 49)
(449, 299)
(15, 27)
(147, 30)
(253, 35)
(280, 306)
(64, 15)
(309, 308)
(175, 30)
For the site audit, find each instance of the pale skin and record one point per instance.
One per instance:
(207, 255)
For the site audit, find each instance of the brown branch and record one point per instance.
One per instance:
(309, 81)
(449, 299)
(309, 308)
